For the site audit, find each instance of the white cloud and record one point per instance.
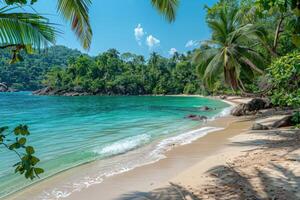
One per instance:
(191, 43)
(151, 41)
(139, 33)
(172, 51)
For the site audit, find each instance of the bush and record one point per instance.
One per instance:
(284, 75)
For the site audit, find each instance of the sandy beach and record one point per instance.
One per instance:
(231, 162)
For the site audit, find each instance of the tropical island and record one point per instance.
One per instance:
(218, 121)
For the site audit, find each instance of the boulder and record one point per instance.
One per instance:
(284, 122)
(258, 126)
(240, 110)
(196, 117)
(251, 107)
(256, 104)
(43, 91)
(205, 108)
(223, 97)
(3, 87)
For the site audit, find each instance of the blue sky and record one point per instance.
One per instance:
(135, 26)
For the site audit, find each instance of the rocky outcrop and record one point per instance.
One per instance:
(274, 121)
(5, 88)
(61, 92)
(284, 122)
(251, 107)
(258, 126)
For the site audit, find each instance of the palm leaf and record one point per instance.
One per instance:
(77, 12)
(167, 8)
(25, 29)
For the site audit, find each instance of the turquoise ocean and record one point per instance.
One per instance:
(72, 131)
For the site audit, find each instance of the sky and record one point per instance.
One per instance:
(135, 26)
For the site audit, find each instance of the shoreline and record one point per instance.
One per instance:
(62, 175)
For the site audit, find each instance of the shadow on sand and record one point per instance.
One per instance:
(172, 192)
(266, 178)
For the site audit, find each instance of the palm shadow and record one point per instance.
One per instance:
(273, 181)
(171, 192)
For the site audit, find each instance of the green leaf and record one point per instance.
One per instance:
(30, 150)
(21, 130)
(22, 141)
(34, 160)
(38, 171)
(2, 129)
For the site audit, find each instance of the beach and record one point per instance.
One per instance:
(224, 162)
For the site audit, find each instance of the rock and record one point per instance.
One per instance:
(223, 97)
(240, 110)
(197, 117)
(284, 122)
(43, 91)
(71, 94)
(205, 108)
(3, 87)
(256, 104)
(251, 107)
(78, 89)
(258, 126)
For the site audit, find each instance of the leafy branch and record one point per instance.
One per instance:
(18, 145)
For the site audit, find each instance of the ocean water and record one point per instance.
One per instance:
(71, 131)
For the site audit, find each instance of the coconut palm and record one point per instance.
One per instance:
(229, 52)
(167, 8)
(25, 29)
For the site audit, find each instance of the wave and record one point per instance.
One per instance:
(123, 146)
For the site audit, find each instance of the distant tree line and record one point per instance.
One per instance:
(112, 73)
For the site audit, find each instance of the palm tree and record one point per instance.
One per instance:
(167, 8)
(230, 50)
(24, 30)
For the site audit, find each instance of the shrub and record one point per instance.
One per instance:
(284, 75)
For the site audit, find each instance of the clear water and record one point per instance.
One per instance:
(70, 131)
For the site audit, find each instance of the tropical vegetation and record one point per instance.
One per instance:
(112, 73)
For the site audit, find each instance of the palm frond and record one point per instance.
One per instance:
(26, 29)
(167, 8)
(77, 12)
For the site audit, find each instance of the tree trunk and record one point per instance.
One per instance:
(277, 33)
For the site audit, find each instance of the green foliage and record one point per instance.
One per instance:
(28, 74)
(230, 52)
(296, 118)
(16, 142)
(166, 7)
(128, 74)
(284, 74)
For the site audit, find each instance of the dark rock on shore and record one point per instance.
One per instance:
(251, 107)
(5, 88)
(77, 91)
(258, 126)
(273, 122)
(284, 122)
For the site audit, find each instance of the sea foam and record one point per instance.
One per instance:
(124, 145)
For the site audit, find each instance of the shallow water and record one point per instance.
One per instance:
(70, 131)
